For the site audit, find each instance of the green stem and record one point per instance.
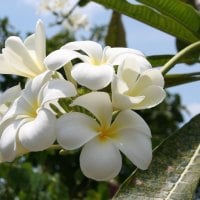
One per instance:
(193, 74)
(67, 69)
(170, 64)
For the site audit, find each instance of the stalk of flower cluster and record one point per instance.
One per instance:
(170, 64)
(68, 68)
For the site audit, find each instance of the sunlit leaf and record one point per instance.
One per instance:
(160, 60)
(179, 79)
(153, 18)
(175, 169)
(183, 13)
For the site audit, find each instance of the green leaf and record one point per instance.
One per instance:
(116, 36)
(83, 3)
(151, 17)
(175, 169)
(183, 13)
(160, 60)
(179, 79)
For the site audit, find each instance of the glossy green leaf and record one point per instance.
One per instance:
(174, 172)
(116, 36)
(183, 13)
(160, 60)
(179, 79)
(151, 17)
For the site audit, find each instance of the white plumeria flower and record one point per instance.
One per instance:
(96, 70)
(25, 58)
(100, 157)
(29, 125)
(62, 8)
(137, 87)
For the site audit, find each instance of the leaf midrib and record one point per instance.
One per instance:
(186, 170)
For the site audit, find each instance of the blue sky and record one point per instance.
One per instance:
(23, 15)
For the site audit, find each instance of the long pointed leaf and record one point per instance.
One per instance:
(151, 17)
(159, 60)
(175, 169)
(116, 35)
(180, 11)
(179, 79)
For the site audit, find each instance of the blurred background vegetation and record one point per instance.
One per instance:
(49, 175)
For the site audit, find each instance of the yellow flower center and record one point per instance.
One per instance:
(97, 62)
(106, 133)
(32, 112)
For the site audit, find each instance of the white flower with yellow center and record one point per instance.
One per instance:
(25, 58)
(96, 70)
(137, 87)
(29, 125)
(102, 139)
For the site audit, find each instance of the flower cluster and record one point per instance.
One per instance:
(101, 119)
(63, 11)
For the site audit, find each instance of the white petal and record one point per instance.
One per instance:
(119, 86)
(10, 113)
(9, 146)
(154, 95)
(37, 42)
(136, 146)
(3, 110)
(130, 69)
(10, 94)
(92, 49)
(40, 41)
(119, 98)
(56, 89)
(135, 61)
(117, 51)
(75, 129)
(59, 58)
(99, 104)
(16, 65)
(7, 143)
(39, 133)
(117, 55)
(19, 107)
(100, 160)
(91, 76)
(33, 87)
(19, 54)
(149, 77)
(128, 119)
(7, 68)
(122, 102)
